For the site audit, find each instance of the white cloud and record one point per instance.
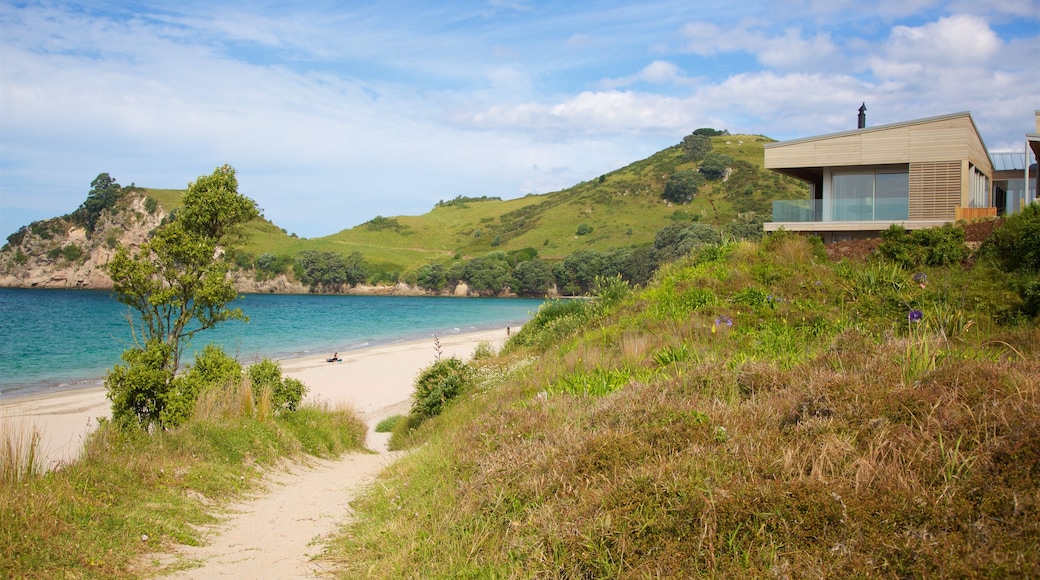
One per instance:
(788, 51)
(952, 41)
(658, 72)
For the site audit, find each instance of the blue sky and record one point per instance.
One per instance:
(335, 112)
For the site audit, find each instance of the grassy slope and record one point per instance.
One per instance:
(820, 434)
(624, 209)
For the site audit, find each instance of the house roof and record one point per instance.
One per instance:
(1008, 161)
(945, 138)
(878, 128)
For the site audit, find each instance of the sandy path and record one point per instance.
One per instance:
(275, 534)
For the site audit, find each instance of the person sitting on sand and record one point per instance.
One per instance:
(335, 357)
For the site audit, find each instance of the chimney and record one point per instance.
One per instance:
(862, 116)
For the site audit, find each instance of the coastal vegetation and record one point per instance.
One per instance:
(758, 410)
(132, 493)
(175, 287)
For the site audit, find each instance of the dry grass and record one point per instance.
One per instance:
(19, 451)
(794, 443)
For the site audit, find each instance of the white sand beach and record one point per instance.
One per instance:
(376, 381)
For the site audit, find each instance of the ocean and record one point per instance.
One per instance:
(54, 340)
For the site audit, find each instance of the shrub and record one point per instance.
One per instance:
(714, 165)
(682, 186)
(72, 252)
(483, 351)
(286, 394)
(438, 384)
(940, 246)
(387, 425)
(1016, 243)
(696, 146)
(150, 204)
(212, 368)
(583, 229)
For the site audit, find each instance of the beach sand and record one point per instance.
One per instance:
(376, 381)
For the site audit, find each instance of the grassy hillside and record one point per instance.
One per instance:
(758, 411)
(624, 208)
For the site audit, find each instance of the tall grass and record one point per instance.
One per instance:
(132, 493)
(818, 435)
(19, 451)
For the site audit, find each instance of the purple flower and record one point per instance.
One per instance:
(915, 316)
(920, 277)
(723, 320)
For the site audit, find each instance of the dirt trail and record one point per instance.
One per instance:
(276, 534)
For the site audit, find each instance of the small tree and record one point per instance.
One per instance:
(682, 186)
(175, 287)
(104, 192)
(696, 146)
(715, 165)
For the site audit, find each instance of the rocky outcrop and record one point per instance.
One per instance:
(58, 254)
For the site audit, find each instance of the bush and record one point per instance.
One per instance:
(696, 146)
(583, 229)
(150, 205)
(387, 425)
(940, 246)
(438, 384)
(715, 165)
(1016, 244)
(72, 252)
(286, 394)
(212, 368)
(682, 186)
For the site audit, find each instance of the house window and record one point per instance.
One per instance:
(979, 189)
(870, 196)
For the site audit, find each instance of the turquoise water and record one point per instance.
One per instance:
(62, 339)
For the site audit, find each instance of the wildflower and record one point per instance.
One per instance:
(915, 316)
(921, 278)
(721, 321)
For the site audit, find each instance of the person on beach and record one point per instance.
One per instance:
(335, 357)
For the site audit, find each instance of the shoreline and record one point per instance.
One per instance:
(376, 381)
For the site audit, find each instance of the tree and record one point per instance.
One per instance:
(576, 274)
(431, 277)
(104, 192)
(682, 186)
(695, 146)
(715, 165)
(489, 274)
(175, 286)
(532, 278)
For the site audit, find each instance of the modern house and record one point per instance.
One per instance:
(918, 174)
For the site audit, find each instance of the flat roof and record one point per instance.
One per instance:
(1008, 161)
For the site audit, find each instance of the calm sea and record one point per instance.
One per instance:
(54, 340)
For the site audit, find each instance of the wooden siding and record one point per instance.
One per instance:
(975, 213)
(935, 190)
(949, 138)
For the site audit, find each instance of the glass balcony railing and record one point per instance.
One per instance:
(797, 210)
(808, 210)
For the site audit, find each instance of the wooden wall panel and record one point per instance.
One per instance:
(890, 146)
(794, 155)
(935, 190)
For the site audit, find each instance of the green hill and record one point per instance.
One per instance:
(622, 208)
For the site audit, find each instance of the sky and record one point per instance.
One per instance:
(334, 113)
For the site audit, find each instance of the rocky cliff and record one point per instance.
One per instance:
(56, 253)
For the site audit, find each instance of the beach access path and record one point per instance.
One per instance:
(275, 533)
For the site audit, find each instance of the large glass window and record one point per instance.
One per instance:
(870, 196)
(853, 197)
(891, 196)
